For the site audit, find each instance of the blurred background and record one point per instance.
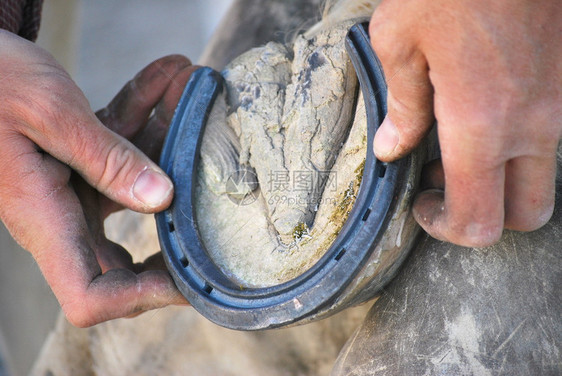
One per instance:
(103, 44)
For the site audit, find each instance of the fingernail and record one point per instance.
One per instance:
(386, 138)
(428, 206)
(152, 188)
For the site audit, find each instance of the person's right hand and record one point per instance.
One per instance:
(62, 172)
(490, 72)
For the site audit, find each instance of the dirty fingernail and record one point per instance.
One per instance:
(386, 138)
(428, 205)
(152, 188)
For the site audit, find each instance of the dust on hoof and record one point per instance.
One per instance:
(290, 119)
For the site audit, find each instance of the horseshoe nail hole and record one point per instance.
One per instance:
(208, 288)
(184, 262)
(366, 215)
(382, 170)
(340, 255)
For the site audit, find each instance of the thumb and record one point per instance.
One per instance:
(41, 102)
(410, 106)
(115, 167)
(63, 125)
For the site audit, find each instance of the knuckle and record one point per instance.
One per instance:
(384, 51)
(79, 315)
(382, 41)
(375, 25)
(380, 19)
(119, 164)
(48, 104)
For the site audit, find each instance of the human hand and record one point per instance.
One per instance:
(63, 172)
(490, 73)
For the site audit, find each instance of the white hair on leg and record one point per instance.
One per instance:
(336, 11)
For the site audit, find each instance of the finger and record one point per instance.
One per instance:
(410, 93)
(151, 137)
(128, 112)
(529, 192)
(118, 293)
(121, 292)
(471, 210)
